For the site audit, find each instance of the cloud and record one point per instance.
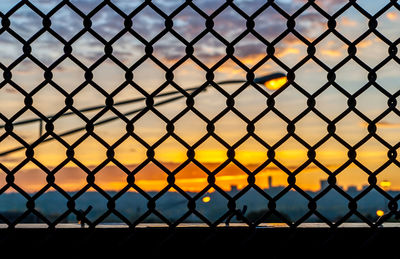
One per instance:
(393, 16)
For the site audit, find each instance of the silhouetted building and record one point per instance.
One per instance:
(269, 181)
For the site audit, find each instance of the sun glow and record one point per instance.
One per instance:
(275, 84)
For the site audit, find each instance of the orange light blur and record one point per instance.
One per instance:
(380, 213)
(206, 199)
(385, 184)
(275, 84)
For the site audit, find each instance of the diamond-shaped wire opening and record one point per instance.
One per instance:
(30, 178)
(101, 75)
(170, 109)
(249, 9)
(92, 198)
(351, 128)
(291, 102)
(149, 76)
(387, 77)
(132, 205)
(189, 74)
(312, 180)
(52, 205)
(352, 24)
(50, 153)
(71, 179)
(389, 128)
(311, 24)
(270, 24)
(387, 22)
(214, 207)
(255, 202)
(370, 7)
(369, 205)
(111, 179)
(231, 176)
(271, 179)
(189, 23)
(112, 131)
(87, 49)
(211, 153)
(172, 206)
(208, 7)
(11, 101)
(88, 95)
(372, 109)
(68, 75)
(372, 50)
(11, 160)
(191, 179)
(150, 127)
(169, 49)
(333, 206)
(107, 23)
(387, 179)
(250, 50)
(331, 102)
(229, 24)
(45, 6)
(311, 128)
(190, 128)
(291, 154)
(85, 6)
(170, 153)
(47, 49)
(85, 154)
(141, 25)
(66, 22)
(6, 5)
(13, 204)
(209, 50)
(331, 50)
(251, 153)
(151, 179)
(168, 7)
(68, 124)
(331, 154)
(128, 49)
(352, 180)
(372, 154)
(25, 22)
(130, 153)
(28, 131)
(351, 77)
(270, 128)
(250, 102)
(12, 48)
(290, 50)
(311, 83)
(224, 126)
(44, 104)
(285, 206)
(27, 75)
(210, 103)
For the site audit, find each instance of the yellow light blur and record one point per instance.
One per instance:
(385, 184)
(380, 213)
(275, 84)
(206, 199)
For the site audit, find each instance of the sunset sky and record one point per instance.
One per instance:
(191, 128)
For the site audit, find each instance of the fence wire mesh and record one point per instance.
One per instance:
(53, 30)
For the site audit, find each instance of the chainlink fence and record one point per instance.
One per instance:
(85, 35)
